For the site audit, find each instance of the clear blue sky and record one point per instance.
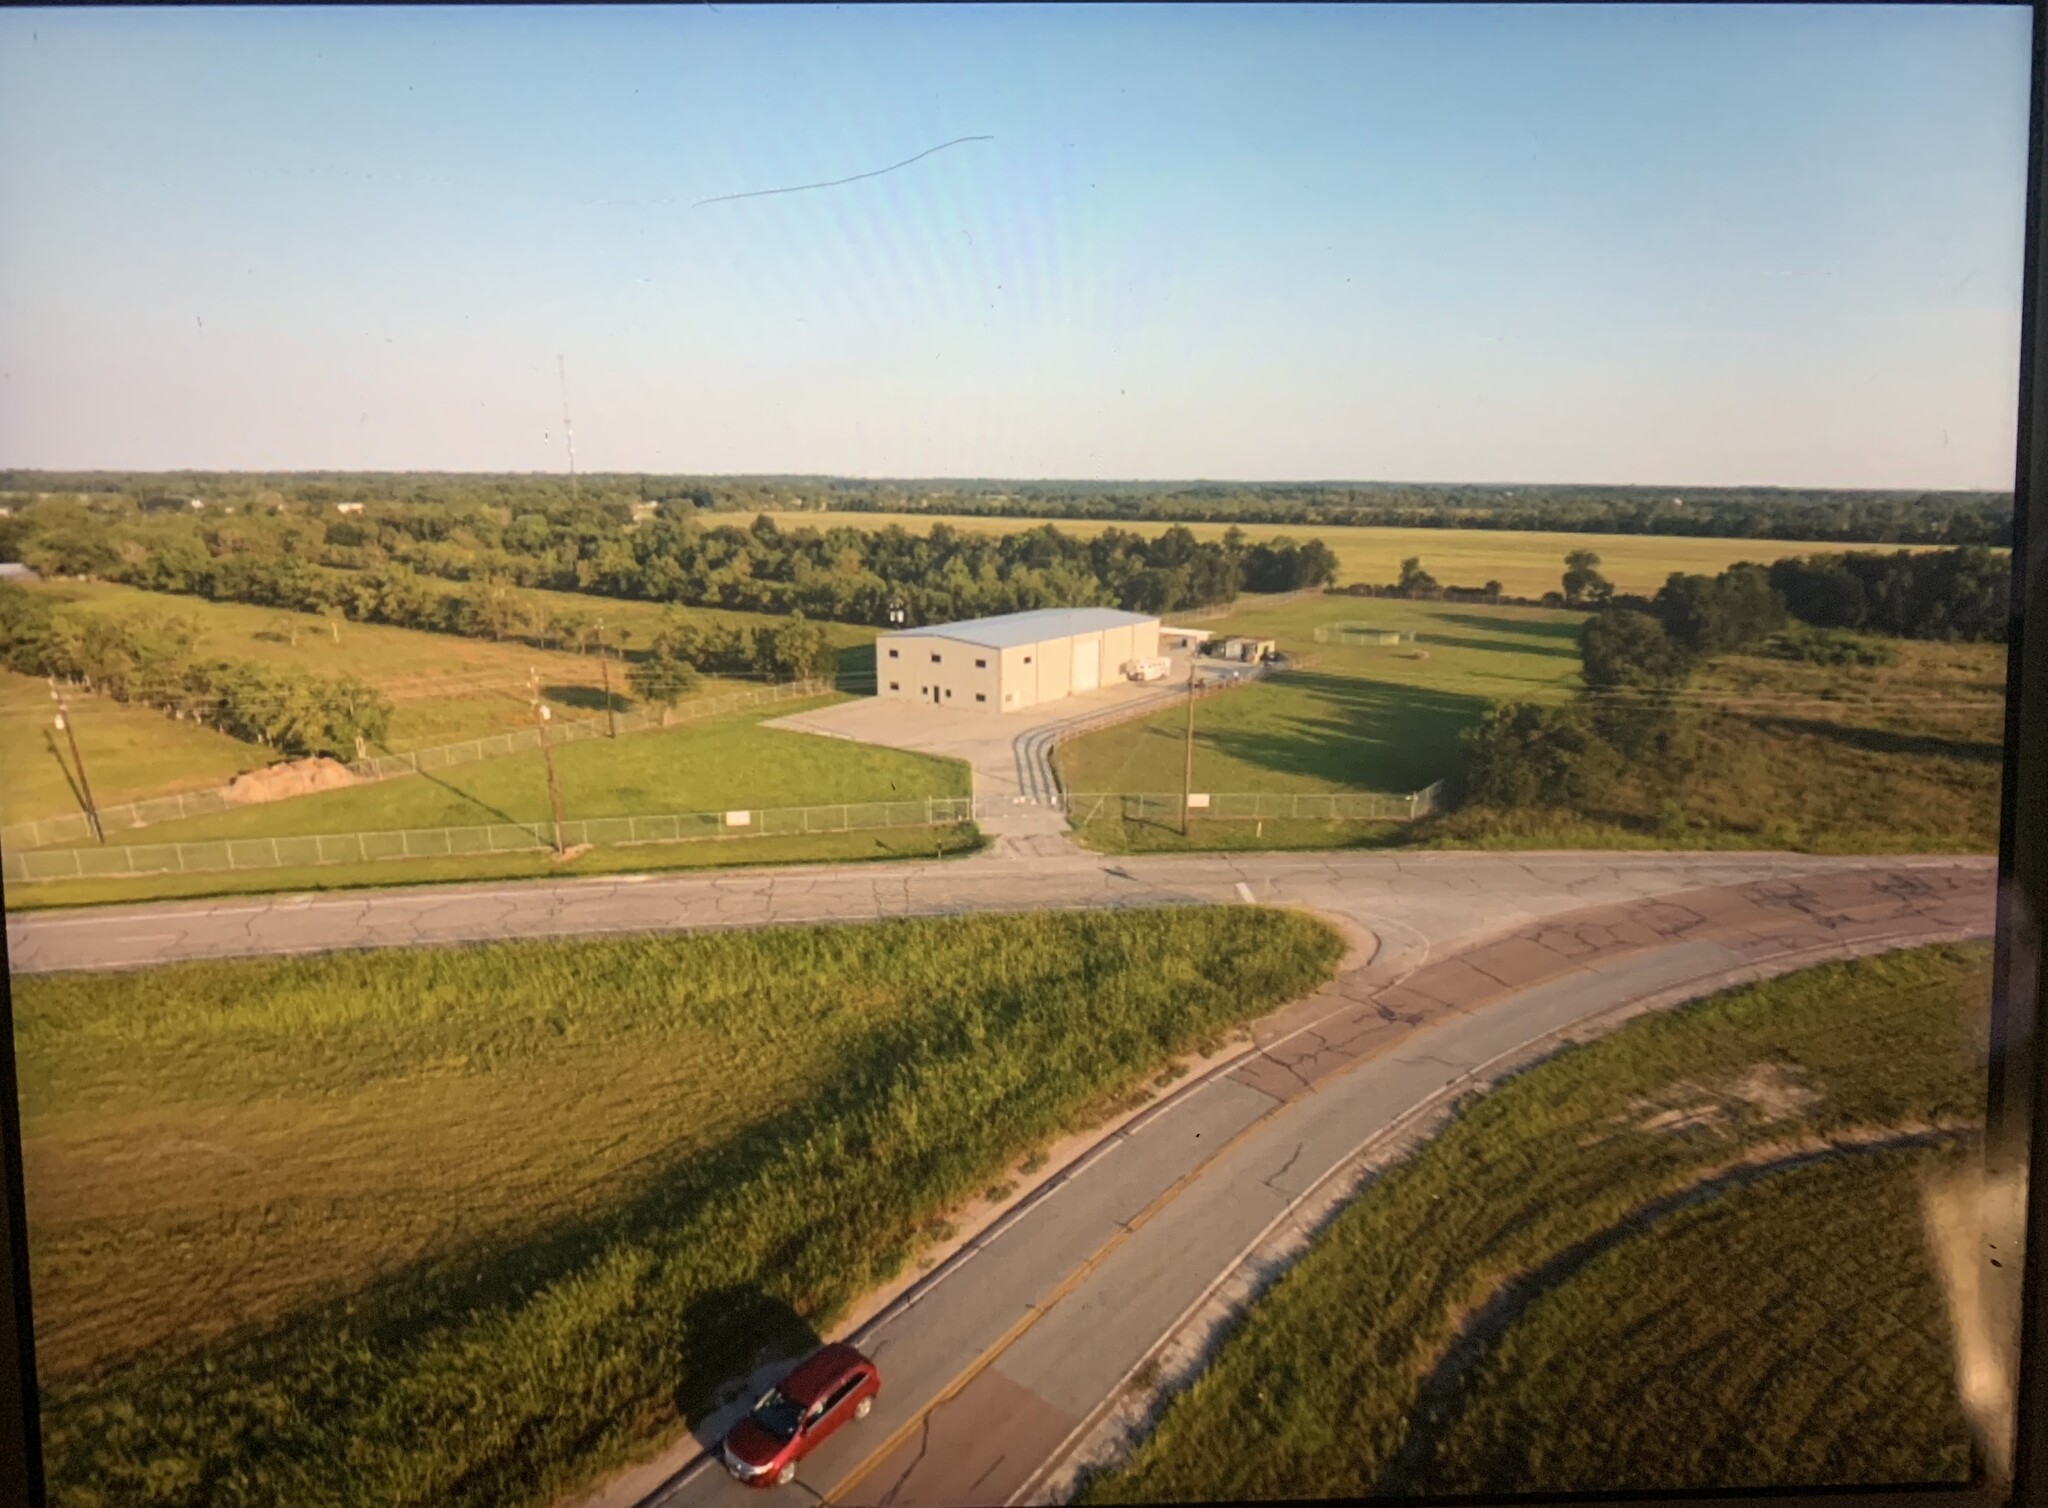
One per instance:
(1602, 244)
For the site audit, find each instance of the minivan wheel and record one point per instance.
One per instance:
(787, 1475)
(860, 1410)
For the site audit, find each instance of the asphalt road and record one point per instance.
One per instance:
(1411, 902)
(996, 1364)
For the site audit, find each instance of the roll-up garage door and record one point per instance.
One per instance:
(1087, 664)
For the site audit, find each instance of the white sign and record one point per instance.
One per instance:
(739, 819)
(1198, 800)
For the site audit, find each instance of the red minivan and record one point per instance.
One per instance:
(796, 1415)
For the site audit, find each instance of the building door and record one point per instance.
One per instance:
(1087, 664)
(935, 693)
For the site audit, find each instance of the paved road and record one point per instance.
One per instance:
(998, 1363)
(1412, 902)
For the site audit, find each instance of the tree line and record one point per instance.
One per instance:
(153, 659)
(1833, 515)
(1638, 654)
(374, 565)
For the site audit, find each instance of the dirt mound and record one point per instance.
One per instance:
(297, 777)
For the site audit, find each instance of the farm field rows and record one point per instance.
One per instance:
(1526, 564)
(1663, 1331)
(295, 1238)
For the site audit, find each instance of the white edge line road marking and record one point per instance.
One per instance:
(1762, 969)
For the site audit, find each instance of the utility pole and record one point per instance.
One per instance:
(568, 436)
(541, 714)
(92, 811)
(1187, 783)
(604, 665)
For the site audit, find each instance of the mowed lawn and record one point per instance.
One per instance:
(130, 752)
(1360, 719)
(443, 688)
(1611, 1273)
(448, 1227)
(1525, 564)
(720, 764)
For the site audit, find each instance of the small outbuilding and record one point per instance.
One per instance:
(1017, 660)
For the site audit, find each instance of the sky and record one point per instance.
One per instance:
(1722, 245)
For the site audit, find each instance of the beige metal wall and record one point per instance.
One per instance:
(1005, 680)
(923, 664)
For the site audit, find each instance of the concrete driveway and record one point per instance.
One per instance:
(1014, 789)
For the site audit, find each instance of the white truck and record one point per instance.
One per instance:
(1148, 670)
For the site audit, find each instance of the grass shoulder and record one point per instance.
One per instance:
(946, 841)
(471, 1226)
(1324, 1381)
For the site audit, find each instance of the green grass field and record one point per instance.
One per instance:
(1361, 719)
(1828, 759)
(715, 765)
(130, 752)
(467, 1226)
(1526, 564)
(443, 687)
(1856, 1384)
(943, 841)
(1839, 759)
(1744, 1339)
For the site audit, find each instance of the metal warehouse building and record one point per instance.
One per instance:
(1014, 661)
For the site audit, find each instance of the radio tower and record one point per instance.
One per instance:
(568, 436)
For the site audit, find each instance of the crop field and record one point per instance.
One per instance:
(130, 752)
(1525, 564)
(1362, 718)
(1686, 1255)
(469, 1226)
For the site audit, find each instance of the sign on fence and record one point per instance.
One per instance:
(124, 860)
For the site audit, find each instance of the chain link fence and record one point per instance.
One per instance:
(235, 854)
(386, 766)
(1255, 806)
(74, 828)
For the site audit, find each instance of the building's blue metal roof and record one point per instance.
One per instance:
(1012, 629)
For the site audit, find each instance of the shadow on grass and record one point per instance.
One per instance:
(1363, 734)
(583, 698)
(70, 780)
(660, 1304)
(1885, 741)
(1510, 623)
(474, 800)
(1566, 651)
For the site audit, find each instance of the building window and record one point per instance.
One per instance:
(935, 659)
(1027, 659)
(892, 654)
(949, 693)
(981, 664)
(979, 697)
(893, 686)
